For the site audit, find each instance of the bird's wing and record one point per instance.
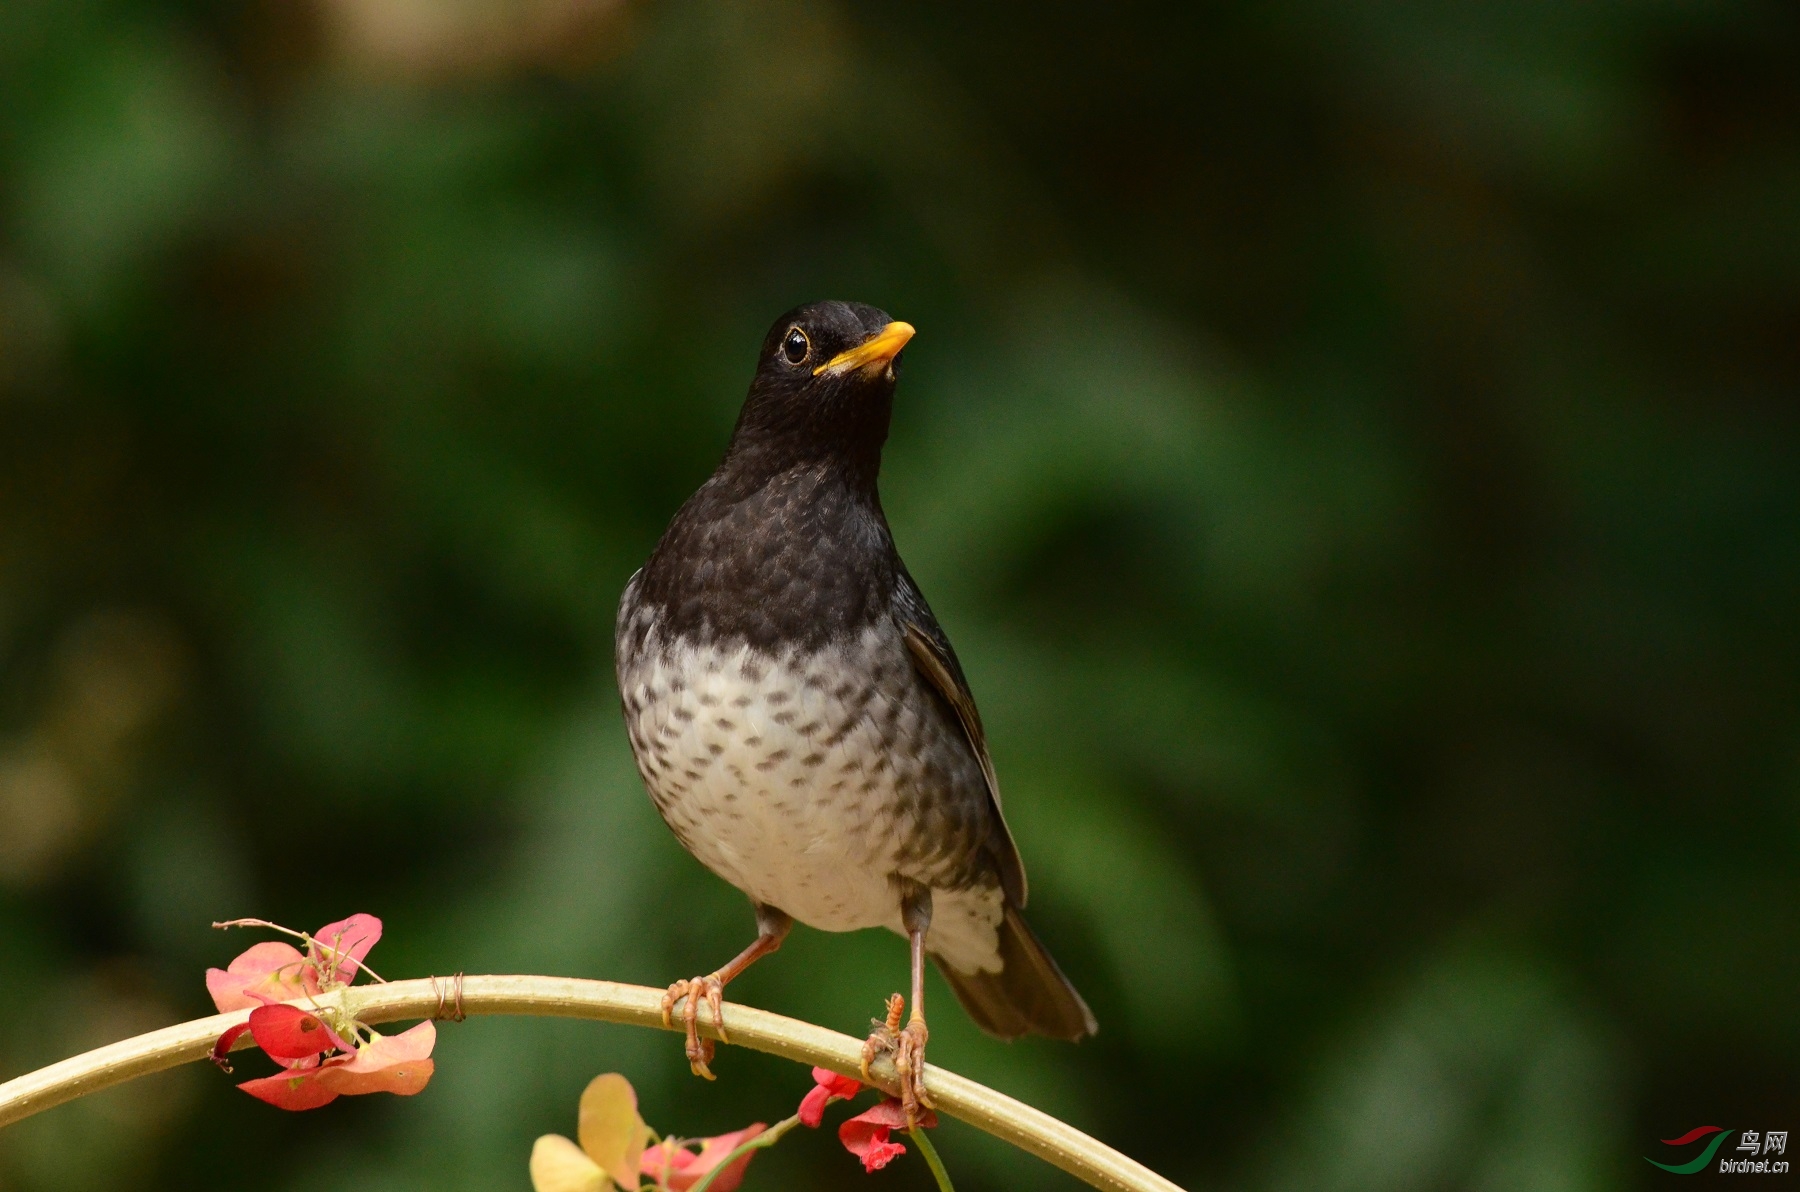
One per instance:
(622, 621)
(936, 660)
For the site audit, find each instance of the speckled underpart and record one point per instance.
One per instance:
(797, 712)
(811, 777)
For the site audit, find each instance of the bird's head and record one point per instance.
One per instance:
(824, 387)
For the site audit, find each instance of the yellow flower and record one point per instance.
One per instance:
(612, 1136)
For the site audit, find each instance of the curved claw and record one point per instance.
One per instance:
(879, 1040)
(690, 993)
(699, 1051)
(715, 998)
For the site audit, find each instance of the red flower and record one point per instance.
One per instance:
(337, 949)
(272, 971)
(268, 972)
(866, 1134)
(385, 1064)
(287, 1033)
(827, 1087)
(327, 1053)
(673, 1166)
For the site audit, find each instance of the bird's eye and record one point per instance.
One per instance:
(796, 347)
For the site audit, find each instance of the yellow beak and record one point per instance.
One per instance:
(875, 352)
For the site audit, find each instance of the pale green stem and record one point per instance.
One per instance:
(956, 1096)
(767, 1138)
(931, 1159)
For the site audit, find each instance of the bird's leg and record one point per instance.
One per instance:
(908, 1044)
(772, 927)
(909, 1056)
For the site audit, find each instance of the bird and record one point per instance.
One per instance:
(801, 721)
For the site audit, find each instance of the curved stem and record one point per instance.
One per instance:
(930, 1155)
(767, 1138)
(1029, 1129)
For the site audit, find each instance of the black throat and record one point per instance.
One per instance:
(774, 557)
(786, 545)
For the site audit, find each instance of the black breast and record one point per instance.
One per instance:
(800, 559)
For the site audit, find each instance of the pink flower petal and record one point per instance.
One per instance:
(385, 1064)
(339, 948)
(889, 1112)
(267, 972)
(867, 1134)
(713, 1151)
(402, 1079)
(840, 1086)
(827, 1084)
(812, 1106)
(664, 1163)
(879, 1152)
(290, 1033)
(673, 1164)
(222, 1048)
(292, 1090)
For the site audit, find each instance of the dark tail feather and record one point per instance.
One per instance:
(1028, 995)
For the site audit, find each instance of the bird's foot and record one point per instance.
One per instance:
(885, 1036)
(907, 1045)
(690, 994)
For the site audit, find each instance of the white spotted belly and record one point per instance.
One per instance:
(775, 777)
(805, 781)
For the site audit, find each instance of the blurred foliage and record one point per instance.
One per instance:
(1352, 445)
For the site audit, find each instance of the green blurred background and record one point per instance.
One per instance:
(1353, 446)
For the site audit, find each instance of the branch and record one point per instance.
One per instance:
(604, 1001)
